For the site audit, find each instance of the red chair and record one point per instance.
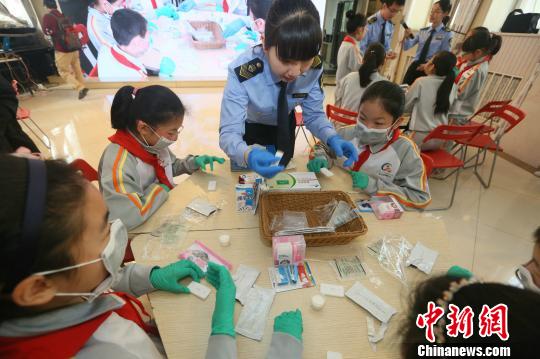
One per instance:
(340, 115)
(428, 163)
(502, 121)
(488, 109)
(92, 175)
(443, 159)
(84, 167)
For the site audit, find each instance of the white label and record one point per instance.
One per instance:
(333, 355)
(370, 302)
(325, 171)
(199, 290)
(332, 290)
(212, 186)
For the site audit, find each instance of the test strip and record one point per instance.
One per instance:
(212, 185)
(332, 290)
(199, 290)
(278, 155)
(325, 171)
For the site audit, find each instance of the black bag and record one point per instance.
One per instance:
(519, 22)
(66, 37)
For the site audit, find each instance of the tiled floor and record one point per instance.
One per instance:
(489, 230)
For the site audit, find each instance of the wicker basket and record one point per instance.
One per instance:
(273, 203)
(215, 29)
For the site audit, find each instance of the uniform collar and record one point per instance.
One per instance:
(131, 58)
(438, 28)
(380, 19)
(59, 318)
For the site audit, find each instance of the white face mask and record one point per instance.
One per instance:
(112, 257)
(525, 277)
(372, 136)
(160, 145)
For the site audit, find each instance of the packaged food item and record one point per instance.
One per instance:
(288, 249)
(386, 207)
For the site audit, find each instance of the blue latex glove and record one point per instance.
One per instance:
(167, 66)
(167, 11)
(261, 161)
(289, 323)
(233, 28)
(167, 278)
(343, 148)
(187, 5)
(223, 317)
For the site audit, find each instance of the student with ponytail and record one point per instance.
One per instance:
(352, 86)
(429, 98)
(349, 58)
(136, 170)
(478, 49)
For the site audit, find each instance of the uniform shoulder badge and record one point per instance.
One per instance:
(424, 28)
(317, 62)
(250, 69)
(372, 19)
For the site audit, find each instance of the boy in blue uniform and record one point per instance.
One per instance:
(380, 28)
(430, 40)
(267, 82)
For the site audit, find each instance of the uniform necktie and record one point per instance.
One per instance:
(383, 37)
(284, 139)
(425, 49)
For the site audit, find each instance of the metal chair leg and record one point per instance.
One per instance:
(451, 198)
(46, 144)
(490, 177)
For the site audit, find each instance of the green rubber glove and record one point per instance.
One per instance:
(202, 161)
(359, 179)
(223, 318)
(459, 272)
(167, 278)
(290, 323)
(316, 164)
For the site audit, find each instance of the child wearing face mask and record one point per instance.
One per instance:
(60, 255)
(388, 164)
(136, 170)
(478, 49)
(528, 274)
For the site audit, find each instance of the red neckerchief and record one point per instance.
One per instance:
(225, 6)
(67, 342)
(154, 4)
(461, 62)
(350, 40)
(364, 155)
(124, 61)
(126, 140)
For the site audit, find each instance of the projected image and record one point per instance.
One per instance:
(188, 40)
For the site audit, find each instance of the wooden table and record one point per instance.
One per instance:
(184, 320)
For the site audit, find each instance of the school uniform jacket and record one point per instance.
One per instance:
(420, 102)
(349, 93)
(469, 89)
(130, 186)
(99, 29)
(117, 65)
(396, 169)
(348, 60)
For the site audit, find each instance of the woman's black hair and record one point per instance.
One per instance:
(354, 21)
(523, 315)
(259, 8)
(482, 39)
(389, 94)
(50, 4)
(446, 7)
(293, 27)
(155, 105)
(537, 236)
(63, 221)
(444, 62)
(392, 2)
(373, 58)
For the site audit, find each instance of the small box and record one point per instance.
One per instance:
(247, 193)
(288, 250)
(386, 207)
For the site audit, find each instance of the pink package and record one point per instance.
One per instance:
(386, 207)
(200, 254)
(288, 249)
